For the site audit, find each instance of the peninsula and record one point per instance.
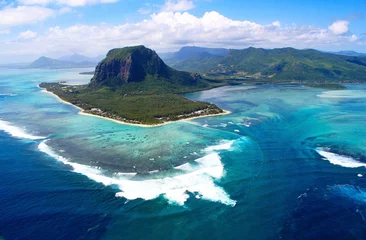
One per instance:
(133, 85)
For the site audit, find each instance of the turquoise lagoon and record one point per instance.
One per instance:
(288, 162)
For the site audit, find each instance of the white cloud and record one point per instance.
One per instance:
(353, 38)
(34, 2)
(167, 31)
(144, 11)
(147, 9)
(276, 24)
(339, 27)
(64, 10)
(178, 6)
(22, 15)
(27, 35)
(71, 3)
(4, 32)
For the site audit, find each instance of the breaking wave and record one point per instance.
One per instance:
(340, 160)
(8, 94)
(343, 94)
(198, 178)
(17, 132)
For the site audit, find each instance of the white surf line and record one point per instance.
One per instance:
(198, 179)
(340, 160)
(17, 132)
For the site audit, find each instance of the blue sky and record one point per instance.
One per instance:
(30, 28)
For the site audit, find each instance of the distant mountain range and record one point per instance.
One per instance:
(191, 51)
(71, 61)
(77, 58)
(188, 52)
(45, 62)
(282, 64)
(350, 53)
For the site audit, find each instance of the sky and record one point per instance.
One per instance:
(33, 28)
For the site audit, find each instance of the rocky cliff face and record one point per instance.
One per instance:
(131, 64)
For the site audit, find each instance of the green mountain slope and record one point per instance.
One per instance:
(280, 65)
(189, 52)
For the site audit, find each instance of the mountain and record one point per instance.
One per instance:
(45, 62)
(189, 52)
(77, 58)
(140, 64)
(350, 53)
(283, 64)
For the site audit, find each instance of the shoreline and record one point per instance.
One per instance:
(82, 112)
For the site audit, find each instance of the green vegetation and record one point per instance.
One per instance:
(132, 105)
(278, 65)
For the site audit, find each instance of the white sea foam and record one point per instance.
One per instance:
(224, 145)
(8, 94)
(343, 94)
(340, 160)
(198, 178)
(17, 132)
(126, 174)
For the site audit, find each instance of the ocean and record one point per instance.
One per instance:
(287, 163)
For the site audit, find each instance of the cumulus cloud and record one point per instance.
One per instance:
(178, 6)
(167, 31)
(27, 35)
(22, 15)
(71, 3)
(339, 27)
(276, 24)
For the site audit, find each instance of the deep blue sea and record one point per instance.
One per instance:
(287, 163)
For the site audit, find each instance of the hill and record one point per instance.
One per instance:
(45, 62)
(134, 85)
(284, 64)
(350, 53)
(78, 58)
(190, 52)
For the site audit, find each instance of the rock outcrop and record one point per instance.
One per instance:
(134, 64)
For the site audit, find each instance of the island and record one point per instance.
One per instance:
(133, 85)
